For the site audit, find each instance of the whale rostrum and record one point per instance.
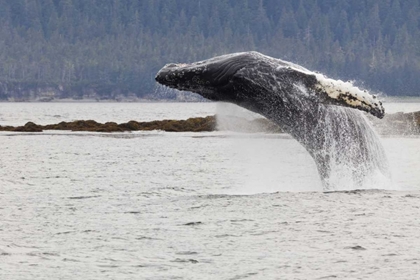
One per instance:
(317, 111)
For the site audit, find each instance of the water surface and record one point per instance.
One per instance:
(219, 205)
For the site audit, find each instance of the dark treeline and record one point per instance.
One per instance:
(105, 48)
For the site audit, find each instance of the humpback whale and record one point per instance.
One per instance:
(317, 111)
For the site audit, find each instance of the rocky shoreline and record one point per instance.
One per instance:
(392, 124)
(190, 125)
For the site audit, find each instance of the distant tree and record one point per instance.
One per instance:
(115, 47)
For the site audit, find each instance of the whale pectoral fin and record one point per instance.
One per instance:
(336, 92)
(332, 92)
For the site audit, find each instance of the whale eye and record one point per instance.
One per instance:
(171, 65)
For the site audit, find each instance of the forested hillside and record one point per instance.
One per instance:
(108, 48)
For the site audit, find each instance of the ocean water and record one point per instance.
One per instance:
(219, 205)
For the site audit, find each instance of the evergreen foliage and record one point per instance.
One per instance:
(116, 47)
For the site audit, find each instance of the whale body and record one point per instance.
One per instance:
(320, 113)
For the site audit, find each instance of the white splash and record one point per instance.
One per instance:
(372, 170)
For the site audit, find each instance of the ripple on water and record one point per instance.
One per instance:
(167, 206)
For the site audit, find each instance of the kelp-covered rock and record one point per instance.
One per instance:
(397, 124)
(189, 125)
(28, 127)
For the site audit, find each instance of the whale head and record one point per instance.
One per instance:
(210, 78)
(249, 78)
